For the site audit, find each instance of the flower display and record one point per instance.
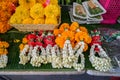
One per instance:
(36, 12)
(73, 40)
(36, 48)
(102, 63)
(3, 53)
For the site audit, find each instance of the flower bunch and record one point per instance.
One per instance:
(7, 8)
(3, 54)
(36, 12)
(102, 63)
(71, 39)
(37, 46)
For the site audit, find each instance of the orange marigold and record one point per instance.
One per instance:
(85, 47)
(68, 35)
(56, 32)
(21, 47)
(74, 26)
(83, 29)
(24, 40)
(64, 26)
(60, 41)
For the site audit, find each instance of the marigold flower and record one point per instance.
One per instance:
(64, 26)
(21, 46)
(37, 11)
(51, 20)
(60, 40)
(24, 40)
(56, 32)
(85, 47)
(39, 21)
(27, 3)
(83, 29)
(74, 26)
(68, 35)
(52, 10)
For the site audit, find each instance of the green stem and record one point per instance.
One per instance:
(62, 2)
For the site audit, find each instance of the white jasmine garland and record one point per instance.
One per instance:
(48, 52)
(36, 59)
(56, 57)
(3, 60)
(79, 49)
(68, 55)
(102, 63)
(24, 57)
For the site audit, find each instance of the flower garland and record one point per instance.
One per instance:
(71, 39)
(3, 54)
(36, 48)
(102, 63)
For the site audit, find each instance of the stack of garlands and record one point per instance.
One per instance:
(36, 12)
(36, 48)
(3, 54)
(73, 41)
(7, 8)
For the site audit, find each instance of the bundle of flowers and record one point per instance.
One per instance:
(73, 41)
(36, 48)
(3, 54)
(7, 8)
(36, 12)
(103, 61)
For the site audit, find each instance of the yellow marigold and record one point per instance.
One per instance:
(20, 14)
(56, 32)
(85, 47)
(15, 19)
(27, 3)
(28, 21)
(24, 40)
(60, 41)
(52, 10)
(54, 2)
(51, 20)
(37, 11)
(68, 35)
(74, 26)
(39, 21)
(41, 1)
(64, 26)
(21, 47)
(83, 29)
(3, 51)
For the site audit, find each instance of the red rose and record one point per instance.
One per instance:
(31, 36)
(49, 40)
(32, 43)
(39, 43)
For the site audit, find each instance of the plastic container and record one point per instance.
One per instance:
(74, 11)
(113, 11)
(85, 4)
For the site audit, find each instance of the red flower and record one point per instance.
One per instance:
(49, 40)
(32, 43)
(39, 43)
(31, 36)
